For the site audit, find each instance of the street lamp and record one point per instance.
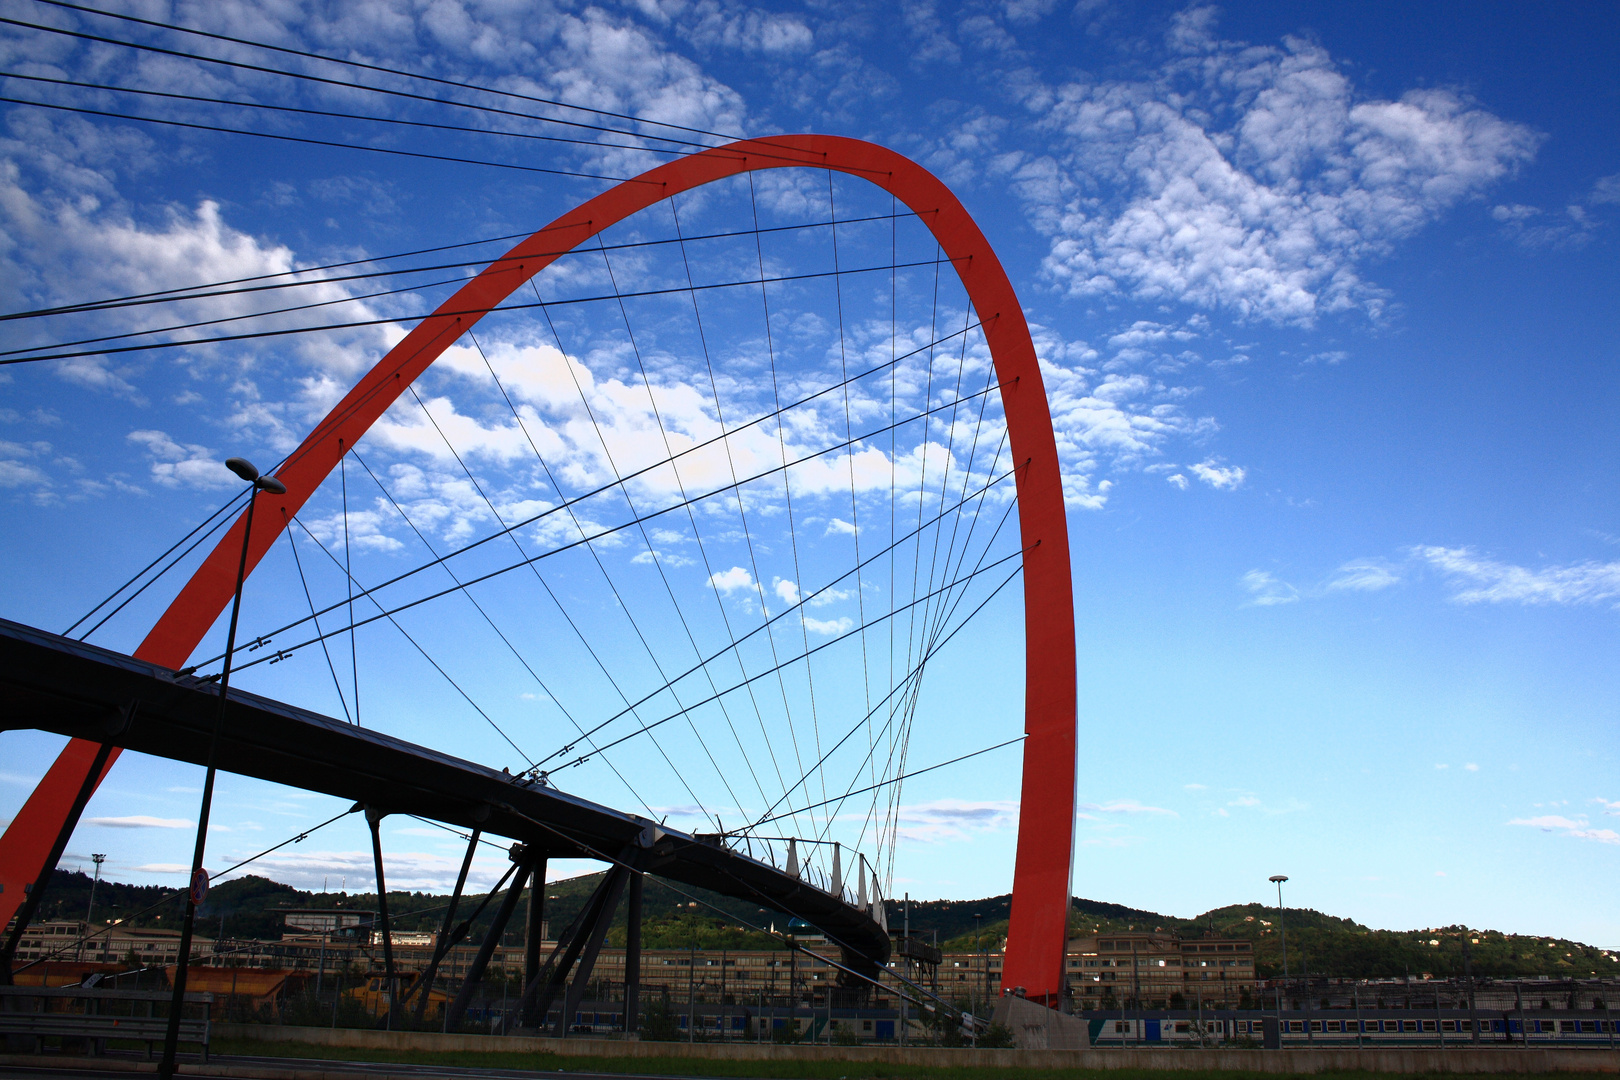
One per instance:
(197, 884)
(90, 915)
(973, 995)
(1282, 921)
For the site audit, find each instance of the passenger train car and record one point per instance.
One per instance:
(1365, 1027)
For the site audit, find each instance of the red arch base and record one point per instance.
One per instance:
(1038, 932)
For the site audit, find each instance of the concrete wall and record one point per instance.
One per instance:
(1504, 1060)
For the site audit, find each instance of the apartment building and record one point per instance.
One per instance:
(114, 944)
(1155, 967)
(1103, 969)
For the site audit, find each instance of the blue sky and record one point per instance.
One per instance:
(1324, 299)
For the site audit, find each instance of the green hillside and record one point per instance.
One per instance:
(1327, 945)
(1317, 943)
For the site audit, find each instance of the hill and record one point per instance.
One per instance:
(1318, 943)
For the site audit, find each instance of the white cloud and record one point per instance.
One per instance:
(404, 869)
(1253, 178)
(943, 820)
(710, 25)
(830, 627)
(1177, 481)
(1223, 478)
(1363, 576)
(729, 581)
(1123, 418)
(16, 471)
(1530, 226)
(1123, 806)
(1266, 590)
(1576, 828)
(838, 526)
(1483, 580)
(140, 821)
(786, 591)
(182, 465)
(1472, 767)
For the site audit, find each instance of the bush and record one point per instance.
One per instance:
(658, 1023)
(787, 1034)
(996, 1037)
(846, 1036)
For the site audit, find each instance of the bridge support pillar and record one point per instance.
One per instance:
(535, 932)
(542, 990)
(612, 888)
(503, 915)
(423, 986)
(374, 819)
(632, 956)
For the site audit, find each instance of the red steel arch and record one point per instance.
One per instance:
(1036, 938)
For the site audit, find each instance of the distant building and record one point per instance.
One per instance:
(333, 924)
(113, 943)
(1153, 967)
(1103, 970)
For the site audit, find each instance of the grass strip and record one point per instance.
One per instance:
(762, 1070)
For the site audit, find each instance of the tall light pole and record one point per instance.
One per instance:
(974, 994)
(1282, 921)
(89, 915)
(197, 884)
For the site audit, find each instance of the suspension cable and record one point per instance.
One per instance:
(219, 288)
(282, 654)
(491, 621)
(578, 499)
(322, 80)
(304, 140)
(359, 65)
(357, 323)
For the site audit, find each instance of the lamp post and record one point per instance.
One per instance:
(1282, 921)
(90, 915)
(197, 884)
(974, 993)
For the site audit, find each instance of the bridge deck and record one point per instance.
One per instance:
(56, 684)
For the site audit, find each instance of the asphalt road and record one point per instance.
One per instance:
(221, 1067)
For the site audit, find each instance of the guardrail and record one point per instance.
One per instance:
(30, 1014)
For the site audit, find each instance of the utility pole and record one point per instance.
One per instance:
(1282, 922)
(89, 916)
(1468, 972)
(910, 971)
(1136, 991)
(197, 882)
(973, 994)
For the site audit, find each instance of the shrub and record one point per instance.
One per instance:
(658, 1023)
(997, 1037)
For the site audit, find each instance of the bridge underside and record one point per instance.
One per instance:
(53, 683)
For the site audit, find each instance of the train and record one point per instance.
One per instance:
(1366, 1027)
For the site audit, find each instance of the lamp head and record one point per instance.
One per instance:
(271, 485)
(1279, 878)
(242, 467)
